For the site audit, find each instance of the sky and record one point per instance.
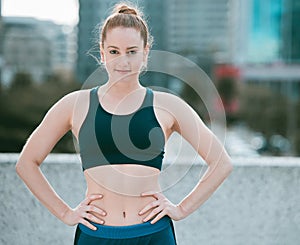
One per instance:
(59, 11)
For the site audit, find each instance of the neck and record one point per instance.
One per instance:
(122, 87)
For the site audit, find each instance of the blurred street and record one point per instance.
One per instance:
(238, 142)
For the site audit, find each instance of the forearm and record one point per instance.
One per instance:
(34, 179)
(211, 180)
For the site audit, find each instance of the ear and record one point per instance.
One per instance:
(102, 53)
(146, 53)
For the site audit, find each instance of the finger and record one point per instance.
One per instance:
(88, 224)
(149, 206)
(149, 193)
(156, 195)
(153, 213)
(92, 208)
(158, 217)
(92, 218)
(91, 198)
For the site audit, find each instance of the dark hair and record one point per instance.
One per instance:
(124, 15)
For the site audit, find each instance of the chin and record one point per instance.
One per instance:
(123, 77)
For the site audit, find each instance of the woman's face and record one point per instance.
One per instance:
(123, 53)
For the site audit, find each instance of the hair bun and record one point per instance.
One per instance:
(124, 9)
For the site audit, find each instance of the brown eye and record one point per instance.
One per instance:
(113, 51)
(132, 52)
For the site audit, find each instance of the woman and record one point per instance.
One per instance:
(121, 128)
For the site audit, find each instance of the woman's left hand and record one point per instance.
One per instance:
(161, 207)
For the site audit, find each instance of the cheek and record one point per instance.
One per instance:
(137, 65)
(138, 59)
(110, 61)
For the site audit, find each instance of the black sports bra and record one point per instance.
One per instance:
(136, 138)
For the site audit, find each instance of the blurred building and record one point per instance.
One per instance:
(265, 31)
(156, 13)
(272, 52)
(192, 28)
(25, 49)
(1, 42)
(257, 31)
(273, 47)
(241, 33)
(39, 48)
(290, 49)
(200, 27)
(92, 13)
(268, 31)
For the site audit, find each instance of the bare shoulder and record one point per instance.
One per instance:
(80, 101)
(74, 100)
(76, 95)
(163, 97)
(70, 105)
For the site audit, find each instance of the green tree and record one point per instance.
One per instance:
(23, 106)
(21, 80)
(297, 133)
(263, 110)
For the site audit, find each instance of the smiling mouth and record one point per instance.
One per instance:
(123, 71)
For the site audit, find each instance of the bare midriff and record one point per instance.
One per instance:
(121, 186)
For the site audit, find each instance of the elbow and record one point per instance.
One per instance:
(19, 168)
(228, 168)
(22, 167)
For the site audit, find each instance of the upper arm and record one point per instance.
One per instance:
(56, 123)
(191, 127)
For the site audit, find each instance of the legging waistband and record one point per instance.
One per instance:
(130, 231)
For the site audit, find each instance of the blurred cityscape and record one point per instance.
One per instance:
(250, 49)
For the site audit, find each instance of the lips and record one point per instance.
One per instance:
(123, 71)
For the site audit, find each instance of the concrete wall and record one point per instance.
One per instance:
(258, 204)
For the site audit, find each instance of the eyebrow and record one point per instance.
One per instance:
(118, 48)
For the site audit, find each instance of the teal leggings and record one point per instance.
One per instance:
(162, 232)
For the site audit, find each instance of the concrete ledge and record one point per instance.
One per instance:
(257, 204)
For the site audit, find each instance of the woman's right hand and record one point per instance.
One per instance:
(81, 214)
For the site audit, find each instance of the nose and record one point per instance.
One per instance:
(123, 60)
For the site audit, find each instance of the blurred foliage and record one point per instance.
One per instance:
(21, 80)
(227, 89)
(188, 93)
(192, 98)
(266, 111)
(23, 106)
(263, 110)
(297, 133)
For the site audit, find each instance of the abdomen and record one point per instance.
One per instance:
(121, 186)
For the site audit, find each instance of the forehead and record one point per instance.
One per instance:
(123, 37)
